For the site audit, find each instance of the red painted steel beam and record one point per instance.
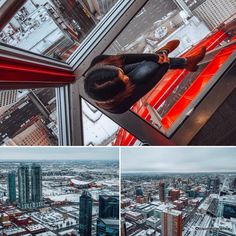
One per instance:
(17, 74)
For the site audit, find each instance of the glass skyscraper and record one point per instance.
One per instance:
(36, 185)
(108, 206)
(24, 186)
(85, 214)
(30, 186)
(11, 186)
(107, 227)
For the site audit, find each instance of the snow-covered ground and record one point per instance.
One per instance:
(53, 220)
(98, 128)
(65, 197)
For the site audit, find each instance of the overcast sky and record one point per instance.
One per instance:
(60, 153)
(190, 159)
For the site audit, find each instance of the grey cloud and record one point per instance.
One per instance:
(59, 153)
(179, 159)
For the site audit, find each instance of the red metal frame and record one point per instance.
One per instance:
(18, 74)
(196, 87)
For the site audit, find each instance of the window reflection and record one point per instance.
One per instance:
(28, 117)
(54, 28)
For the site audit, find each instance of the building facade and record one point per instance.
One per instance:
(36, 185)
(171, 223)
(11, 186)
(162, 192)
(24, 186)
(108, 207)
(35, 133)
(100, 7)
(108, 227)
(85, 214)
(7, 97)
(215, 12)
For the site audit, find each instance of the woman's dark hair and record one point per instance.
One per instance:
(103, 83)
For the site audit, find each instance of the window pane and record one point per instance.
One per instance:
(28, 117)
(154, 22)
(54, 28)
(98, 129)
(158, 22)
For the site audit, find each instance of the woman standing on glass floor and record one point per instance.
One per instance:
(116, 82)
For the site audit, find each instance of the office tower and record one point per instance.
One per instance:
(216, 185)
(208, 183)
(162, 191)
(215, 12)
(174, 194)
(227, 206)
(36, 185)
(171, 223)
(24, 186)
(108, 227)
(7, 97)
(76, 15)
(108, 206)
(11, 186)
(142, 199)
(101, 7)
(139, 191)
(85, 214)
(34, 133)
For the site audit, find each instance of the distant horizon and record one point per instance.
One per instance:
(52, 160)
(177, 172)
(178, 159)
(59, 153)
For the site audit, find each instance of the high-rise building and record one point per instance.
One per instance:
(171, 223)
(108, 206)
(208, 183)
(139, 191)
(100, 7)
(34, 133)
(36, 185)
(216, 185)
(11, 186)
(142, 199)
(162, 191)
(85, 214)
(24, 186)
(76, 15)
(7, 97)
(108, 227)
(174, 194)
(227, 206)
(215, 12)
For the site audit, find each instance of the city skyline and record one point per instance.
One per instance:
(47, 198)
(178, 205)
(59, 153)
(178, 160)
